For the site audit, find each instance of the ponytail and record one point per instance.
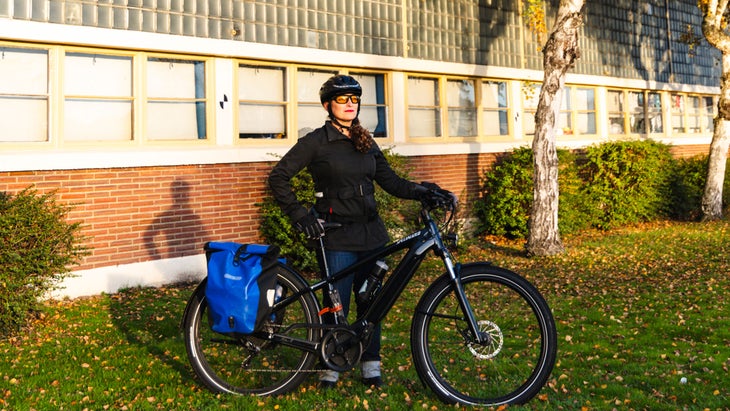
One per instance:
(360, 136)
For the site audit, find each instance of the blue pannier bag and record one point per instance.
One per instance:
(241, 285)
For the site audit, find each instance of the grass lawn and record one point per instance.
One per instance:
(637, 309)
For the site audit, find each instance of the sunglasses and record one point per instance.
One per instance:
(343, 99)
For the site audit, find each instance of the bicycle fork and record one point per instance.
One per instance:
(454, 272)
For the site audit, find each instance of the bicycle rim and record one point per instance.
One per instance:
(249, 365)
(512, 367)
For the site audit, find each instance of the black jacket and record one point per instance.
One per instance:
(343, 181)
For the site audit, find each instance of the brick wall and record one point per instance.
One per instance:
(140, 214)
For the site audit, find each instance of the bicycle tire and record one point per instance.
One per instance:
(220, 361)
(513, 367)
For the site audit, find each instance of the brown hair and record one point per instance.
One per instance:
(360, 136)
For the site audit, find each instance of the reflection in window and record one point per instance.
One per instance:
(678, 110)
(461, 101)
(530, 100)
(424, 112)
(616, 114)
(645, 112)
(310, 114)
(654, 113)
(709, 110)
(102, 85)
(494, 108)
(262, 102)
(373, 108)
(176, 108)
(585, 110)
(24, 99)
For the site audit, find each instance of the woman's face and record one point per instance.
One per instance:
(344, 111)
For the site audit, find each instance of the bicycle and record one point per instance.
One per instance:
(480, 334)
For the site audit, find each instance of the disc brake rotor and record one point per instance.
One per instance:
(492, 346)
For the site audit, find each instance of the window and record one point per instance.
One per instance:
(691, 114)
(708, 106)
(24, 100)
(530, 99)
(461, 102)
(424, 107)
(645, 112)
(102, 85)
(616, 114)
(310, 114)
(176, 99)
(495, 108)
(262, 102)
(373, 108)
(585, 110)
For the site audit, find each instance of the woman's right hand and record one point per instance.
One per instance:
(311, 226)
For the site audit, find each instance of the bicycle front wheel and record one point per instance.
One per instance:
(247, 364)
(516, 359)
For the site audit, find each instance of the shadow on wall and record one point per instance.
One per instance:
(178, 231)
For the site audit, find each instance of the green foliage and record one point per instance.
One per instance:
(37, 246)
(687, 186)
(627, 181)
(613, 184)
(507, 195)
(398, 216)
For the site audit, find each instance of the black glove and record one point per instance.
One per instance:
(435, 196)
(311, 226)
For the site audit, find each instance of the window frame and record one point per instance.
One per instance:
(47, 97)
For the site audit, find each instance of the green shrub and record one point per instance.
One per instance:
(627, 182)
(687, 187)
(399, 216)
(37, 247)
(507, 196)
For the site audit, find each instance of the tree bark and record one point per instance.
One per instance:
(715, 19)
(560, 53)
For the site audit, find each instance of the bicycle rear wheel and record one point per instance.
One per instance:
(247, 364)
(512, 366)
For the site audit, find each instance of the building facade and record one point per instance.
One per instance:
(160, 119)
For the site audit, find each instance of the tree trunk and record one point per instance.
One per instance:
(560, 52)
(712, 197)
(713, 27)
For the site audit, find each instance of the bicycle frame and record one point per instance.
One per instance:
(417, 244)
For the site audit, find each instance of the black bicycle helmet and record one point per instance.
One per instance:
(338, 85)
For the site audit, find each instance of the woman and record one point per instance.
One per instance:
(344, 161)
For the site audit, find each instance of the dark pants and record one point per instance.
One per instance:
(338, 260)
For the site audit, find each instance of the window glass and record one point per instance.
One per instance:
(678, 111)
(636, 112)
(694, 118)
(24, 100)
(461, 101)
(654, 113)
(175, 90)
(494, 108)
(99, 84)
(262, 102)
(615, 107)
(585, 106)
(310, 114)
(530, 99)
(709, 107)
(373, 108)
(565, 120)
(424, 113)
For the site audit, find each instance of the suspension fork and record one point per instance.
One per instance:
(454, 272)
